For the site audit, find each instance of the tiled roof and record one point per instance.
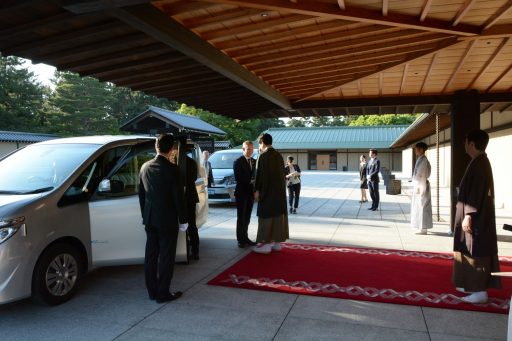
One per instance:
(335, 137)
(169, 121)
(14, 136)
(218, 145)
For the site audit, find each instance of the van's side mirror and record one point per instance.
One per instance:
(111, 186)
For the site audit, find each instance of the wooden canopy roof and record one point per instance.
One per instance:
(276, 57)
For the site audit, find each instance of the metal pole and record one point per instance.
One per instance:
(437, 165)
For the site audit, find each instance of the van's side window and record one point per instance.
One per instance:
(86, 183)
(125, 180)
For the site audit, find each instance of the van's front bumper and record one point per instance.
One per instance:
(15, 279)
(221, 194)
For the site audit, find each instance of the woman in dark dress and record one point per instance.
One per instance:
(362, 177)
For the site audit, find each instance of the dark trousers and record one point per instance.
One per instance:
(159, 260)
(293, 195)
(244, 205)
(193, 234)
(373, 188)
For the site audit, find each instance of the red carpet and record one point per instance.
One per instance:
(390, 276)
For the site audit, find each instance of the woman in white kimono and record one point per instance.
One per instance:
(421, 204)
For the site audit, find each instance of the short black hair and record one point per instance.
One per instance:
(164, 143)
(265, 138)
(290, 158)
(479, 137)
(421, 145)
(374, 151)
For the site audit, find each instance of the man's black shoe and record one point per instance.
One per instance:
(241, 245)
(251, 243)
(169, 297)
(370, 209)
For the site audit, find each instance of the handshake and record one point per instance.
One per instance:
(183, 227)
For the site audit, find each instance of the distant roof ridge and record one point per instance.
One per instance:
(169, 121)
(23, 137)
(26, 133)
(343, 127)
(174, 112)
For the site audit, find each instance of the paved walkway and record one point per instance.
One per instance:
(112, 303)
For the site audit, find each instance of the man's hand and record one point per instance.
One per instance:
(256, 196)
(183, 227)
(467, 223)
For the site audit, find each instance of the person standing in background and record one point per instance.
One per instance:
(421, 203)
(475, 243)
(372, 176)
(207, 168)
(192, 199)
(270, 193)
(161, 204)
(244, 169)
(293, 183)
(362, 177)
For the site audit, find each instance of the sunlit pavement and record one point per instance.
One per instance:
(112, 303)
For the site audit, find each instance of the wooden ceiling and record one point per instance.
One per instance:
(277, 57)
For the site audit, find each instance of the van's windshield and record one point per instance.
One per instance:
(224, 160)
(41, 168)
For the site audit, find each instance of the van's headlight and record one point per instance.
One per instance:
(230, 180)
(8, 227)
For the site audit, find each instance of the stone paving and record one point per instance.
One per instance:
(112, 303)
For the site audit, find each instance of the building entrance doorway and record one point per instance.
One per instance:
(322, 162)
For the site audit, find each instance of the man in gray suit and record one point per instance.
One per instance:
(163, 214)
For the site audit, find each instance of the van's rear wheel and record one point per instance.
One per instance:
(56, 274)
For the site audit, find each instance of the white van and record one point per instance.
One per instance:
(69, 205)
(224, 183)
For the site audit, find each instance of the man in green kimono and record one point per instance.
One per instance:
(270, 193)
(475, 242)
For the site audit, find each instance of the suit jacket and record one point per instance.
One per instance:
(287, 170)
(208, 168)
(161, 194)
(243, 176)
(190, 189)
(372, 170)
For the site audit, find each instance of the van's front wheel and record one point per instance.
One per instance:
(56, 274)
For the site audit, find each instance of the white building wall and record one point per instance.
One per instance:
(497, 152)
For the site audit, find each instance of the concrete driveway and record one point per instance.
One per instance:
(112, 303)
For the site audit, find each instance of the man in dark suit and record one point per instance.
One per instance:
(161, 200)
(244, 169)
(372, 175)
(192, 200)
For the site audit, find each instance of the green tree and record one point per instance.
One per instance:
(21, 97)
(127, 104)
(296, 123)
(320, 121)
(388, 119)
(339, 121)
(81, 106)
